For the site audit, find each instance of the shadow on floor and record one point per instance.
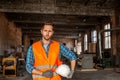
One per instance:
(79, 75)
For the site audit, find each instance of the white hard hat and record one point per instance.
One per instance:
(63, 70)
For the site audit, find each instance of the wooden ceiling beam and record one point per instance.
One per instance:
(59, 33)
(54, 36)
(61, 23)
(55, 28)
(52, 8)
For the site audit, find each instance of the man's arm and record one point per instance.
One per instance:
(73, 63)
(34, 71)
(30, 68)
(30, 61)
(69, 55)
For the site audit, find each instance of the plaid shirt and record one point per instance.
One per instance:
(64, 51)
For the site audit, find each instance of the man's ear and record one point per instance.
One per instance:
(53, 32)
(41, 31)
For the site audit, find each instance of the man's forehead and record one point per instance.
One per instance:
(48, 27)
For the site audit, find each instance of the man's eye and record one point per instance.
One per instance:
(45, 30)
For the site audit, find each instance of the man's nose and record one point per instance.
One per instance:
(47, 32)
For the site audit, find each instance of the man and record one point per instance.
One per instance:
(43, 57)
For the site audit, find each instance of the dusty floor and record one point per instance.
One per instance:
(79, 75)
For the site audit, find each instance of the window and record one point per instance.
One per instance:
(107, 37)
(85, 42)
(79, 48)
(94, 36)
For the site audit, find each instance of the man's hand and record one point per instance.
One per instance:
(47, 73)
(71, 74)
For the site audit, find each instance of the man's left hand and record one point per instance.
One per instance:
(71, 74)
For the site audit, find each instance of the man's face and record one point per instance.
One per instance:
(47, 32)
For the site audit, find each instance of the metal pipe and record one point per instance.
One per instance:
(99, 39)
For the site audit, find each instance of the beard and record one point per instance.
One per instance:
(47, 37)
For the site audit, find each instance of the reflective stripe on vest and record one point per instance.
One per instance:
(39, 76)
(46, 66)
(42, 67)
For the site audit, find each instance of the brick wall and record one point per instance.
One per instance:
(10, 35)
(14, 36)
(3, 28)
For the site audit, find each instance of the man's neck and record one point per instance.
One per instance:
(45, 41)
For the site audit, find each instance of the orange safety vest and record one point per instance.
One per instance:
(43, 62)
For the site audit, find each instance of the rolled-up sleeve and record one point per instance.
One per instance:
(29, 60)
(64, 51)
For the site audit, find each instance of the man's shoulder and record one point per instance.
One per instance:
(54, 41)
(36, 43)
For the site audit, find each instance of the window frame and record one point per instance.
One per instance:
(107, 37)
(94, 36)
(85, 42)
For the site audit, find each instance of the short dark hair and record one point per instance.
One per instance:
(47, 23)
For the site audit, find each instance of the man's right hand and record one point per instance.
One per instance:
(48, 73)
